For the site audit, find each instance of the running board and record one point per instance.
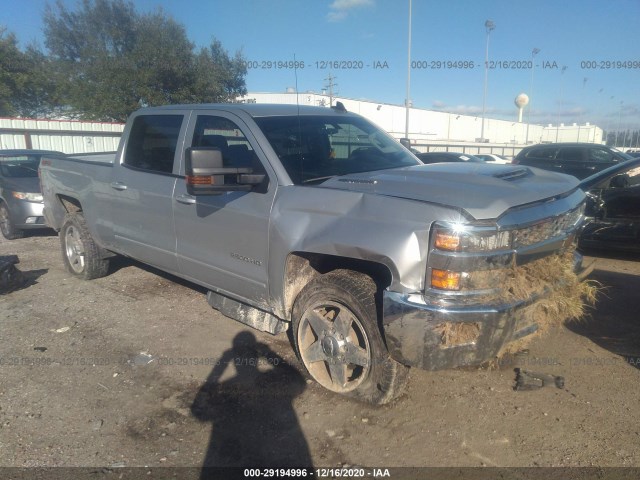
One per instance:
(243, 313)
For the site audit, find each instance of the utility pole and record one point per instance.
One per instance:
(489, 26)
(407, 102)
(534, 52)
(329, 87)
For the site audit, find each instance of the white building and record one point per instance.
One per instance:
(67, 136)
(428, 127)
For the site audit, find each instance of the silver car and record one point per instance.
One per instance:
(20, 198)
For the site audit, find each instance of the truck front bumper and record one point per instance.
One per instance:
(411, 328)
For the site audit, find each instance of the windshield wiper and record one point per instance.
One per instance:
(319, 179)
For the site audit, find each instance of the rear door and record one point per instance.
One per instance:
(142, 188)
(540, 157)
(223, 240)
(572, 160)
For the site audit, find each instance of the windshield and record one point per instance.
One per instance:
(624, 155)
(19, 166)
(315, 148)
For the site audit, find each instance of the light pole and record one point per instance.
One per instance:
(534, 52)
(584, 82)
(560, 104)
(619, 122)
(488, 25)
(407, 101)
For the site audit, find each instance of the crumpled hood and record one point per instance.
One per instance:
(484, 191)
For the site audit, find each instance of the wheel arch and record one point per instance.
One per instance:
(303, 267)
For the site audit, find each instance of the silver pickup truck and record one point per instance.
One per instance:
(314, 219)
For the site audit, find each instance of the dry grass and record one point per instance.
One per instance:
(454, 334)
(563, 296)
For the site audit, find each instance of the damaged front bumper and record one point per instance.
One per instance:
(413, 335)
(509, 273)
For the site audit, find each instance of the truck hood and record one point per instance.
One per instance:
(484, 191)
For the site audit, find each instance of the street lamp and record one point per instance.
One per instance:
(619, 122)
(534, 52)
(489, 25)
(560, 104)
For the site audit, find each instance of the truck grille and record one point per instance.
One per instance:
(546, 229)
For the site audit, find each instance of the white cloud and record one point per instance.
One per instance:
(339, 9)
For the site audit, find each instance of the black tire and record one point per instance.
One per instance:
(80, 254)
(8, 229)
(338, 339)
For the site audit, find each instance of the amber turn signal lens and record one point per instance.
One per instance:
(445, 280)
(199, 179)
(447, 241)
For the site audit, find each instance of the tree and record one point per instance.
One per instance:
(13, 73)
(219, 77)
(26, 86)
(114, 60)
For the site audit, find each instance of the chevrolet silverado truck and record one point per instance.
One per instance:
(315, 220)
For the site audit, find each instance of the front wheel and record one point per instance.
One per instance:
(8, 229)
(338, 339)
(80, 253)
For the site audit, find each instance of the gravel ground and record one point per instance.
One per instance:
(135, 369)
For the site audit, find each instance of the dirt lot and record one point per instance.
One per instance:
(135, 369)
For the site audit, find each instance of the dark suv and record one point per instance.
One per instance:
(578, 159)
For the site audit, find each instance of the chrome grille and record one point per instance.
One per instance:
(549, 228)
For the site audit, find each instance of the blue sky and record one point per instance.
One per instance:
(577, 34)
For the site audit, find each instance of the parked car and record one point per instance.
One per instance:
(578, 159)
(440, 157)
(20, 198)
(492, 157)
(613, 208)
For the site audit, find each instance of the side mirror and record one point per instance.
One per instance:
(619, 181)
(206, 174)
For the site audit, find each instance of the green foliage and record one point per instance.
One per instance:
(106, 60)
(12, 72)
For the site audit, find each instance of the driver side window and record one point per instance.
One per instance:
(225, 135)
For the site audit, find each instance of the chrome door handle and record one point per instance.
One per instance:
(118, 186)
(186, 199)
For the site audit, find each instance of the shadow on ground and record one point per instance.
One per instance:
(614, 324)
(253, 421)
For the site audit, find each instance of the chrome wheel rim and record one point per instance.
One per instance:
(74, 249)
(334, 346)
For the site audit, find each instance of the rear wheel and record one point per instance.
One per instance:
(8, 229)
(338, 339)
(80, 253)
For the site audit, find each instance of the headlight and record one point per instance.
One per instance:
(28, 196)
(467, 238)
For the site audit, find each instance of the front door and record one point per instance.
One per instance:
(223, 240)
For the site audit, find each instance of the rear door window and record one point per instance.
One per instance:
(571, 154)
(152, 142)
(542, 153)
